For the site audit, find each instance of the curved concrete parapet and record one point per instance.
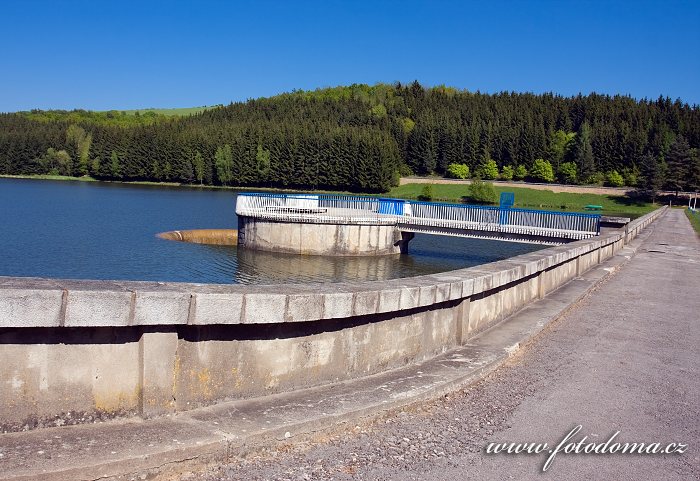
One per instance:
(152, 348)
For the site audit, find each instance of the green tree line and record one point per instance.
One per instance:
(361, 137)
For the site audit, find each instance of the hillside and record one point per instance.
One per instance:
(361, 137)
(111, 117)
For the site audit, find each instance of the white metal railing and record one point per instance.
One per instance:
(328, 208)
(313, 208)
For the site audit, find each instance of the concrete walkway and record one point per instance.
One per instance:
(626, 358)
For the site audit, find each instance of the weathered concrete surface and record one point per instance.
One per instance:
(201, 344)
(319, 238)
(218, 434)
(613, 221)
(624, 359)
(227, 237)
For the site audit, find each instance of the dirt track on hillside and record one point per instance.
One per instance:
(576, 189)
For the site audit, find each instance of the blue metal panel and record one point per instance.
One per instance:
(391, 206)
(507, 200)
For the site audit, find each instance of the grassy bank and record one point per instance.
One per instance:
(694, 218)
(85, 178)
(534, 199)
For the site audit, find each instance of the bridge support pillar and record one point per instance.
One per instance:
(405, 239)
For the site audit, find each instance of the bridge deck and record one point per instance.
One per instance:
(517, 225)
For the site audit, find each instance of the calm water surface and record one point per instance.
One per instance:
(82, 230)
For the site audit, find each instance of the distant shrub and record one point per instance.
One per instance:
(405, 170)
(520, 172)
(379, 111)
(614, 179)
(408, 125)
(426, 193)
(507, 172)
(542, 171)
(396, 178)
(631, 177)
(568, 173)
(482, 192)
(488, 170)
(596, 178)
(458, 171)
(55, 162)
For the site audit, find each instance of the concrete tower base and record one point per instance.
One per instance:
(321, 239)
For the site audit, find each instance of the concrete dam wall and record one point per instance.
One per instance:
(93, 348)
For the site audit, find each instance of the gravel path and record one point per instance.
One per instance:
(576, 189)
(626, 358)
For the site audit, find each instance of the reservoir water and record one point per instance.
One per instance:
(91, 230)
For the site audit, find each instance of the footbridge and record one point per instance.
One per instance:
(392, 223)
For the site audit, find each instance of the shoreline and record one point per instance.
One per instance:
(174, 184)
(556, 188)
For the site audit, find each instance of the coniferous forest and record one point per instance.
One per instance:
(362, 138)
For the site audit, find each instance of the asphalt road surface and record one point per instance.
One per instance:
(626, 358)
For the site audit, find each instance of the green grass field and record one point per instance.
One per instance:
(694, 218)
(171, 112)
(534, 199)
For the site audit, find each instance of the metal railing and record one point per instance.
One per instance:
(329, 208)
(313, 208)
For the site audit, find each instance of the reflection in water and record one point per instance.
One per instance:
(428, 255)
(257, 266)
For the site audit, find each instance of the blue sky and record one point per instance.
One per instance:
(108, 54)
